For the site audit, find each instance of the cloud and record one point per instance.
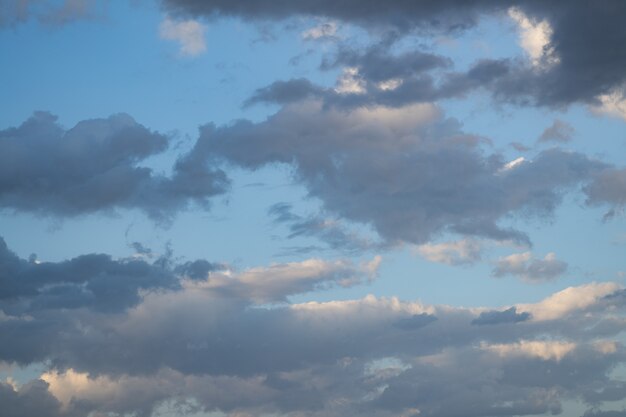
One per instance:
(13, 12)
(95, 167)
(608, 188)
(530, 269)
(539, 349)
(93, 281)
(32, 399)
(559, 131)
(509, 315)
(407, 172)
(570, 300)
(572, 45)
(612, 104)
(461, 252)
(220, 350)
(276, 282)
(190, 35)
(599, 413)
(284, 92)
(329, 230)
(323, 31)
(535, 38)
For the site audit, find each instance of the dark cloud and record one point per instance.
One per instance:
(409, 172)
(95, 166)
(583, 60)
(198, 269)
(507, 316)
(32, 399)
(282, 92)
(428, 15)
(93, 281)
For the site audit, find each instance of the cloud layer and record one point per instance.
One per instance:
(222, 348)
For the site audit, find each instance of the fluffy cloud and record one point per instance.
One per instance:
(95, 166)
(530, 269)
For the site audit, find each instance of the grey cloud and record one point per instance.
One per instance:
(141, 250)
(530, 269)
(408, 172)
(608, 188)
(198, 269)
(415, 322)
(95, 166)
(559, 131)
(509, 315)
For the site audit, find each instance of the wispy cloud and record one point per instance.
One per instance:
(189, 34)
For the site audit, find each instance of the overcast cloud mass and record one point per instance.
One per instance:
(312, 208)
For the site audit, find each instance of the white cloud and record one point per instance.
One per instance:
(390, 85)
(546, 350)
(613, 104)
(276, 282)
(350, 82)
(460, 252)
(534, 38)
(513, 164)
(569, 300)
(69, 385)
(188, 33)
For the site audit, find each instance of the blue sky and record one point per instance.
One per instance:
(250, 209)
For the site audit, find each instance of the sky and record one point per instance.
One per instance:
(312, 208)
